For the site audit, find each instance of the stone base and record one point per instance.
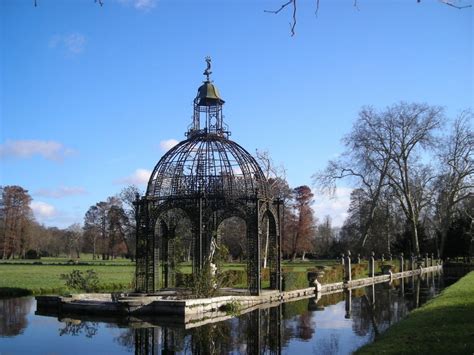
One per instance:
(169, 305)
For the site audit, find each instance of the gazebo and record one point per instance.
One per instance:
(199, 183)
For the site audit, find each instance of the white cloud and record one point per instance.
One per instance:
(61, 192)
(50, 150)
(167, 144)
(139, 177)
(143, 5)
(335, 206)
(73, 43)
(43, 210)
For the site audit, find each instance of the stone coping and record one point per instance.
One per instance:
(167, 305)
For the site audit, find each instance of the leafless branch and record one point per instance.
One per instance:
(356, 5)
(281, 8)
(449, 3)
(317, 8)
(293, 23)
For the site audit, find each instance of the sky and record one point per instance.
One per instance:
(91, 97)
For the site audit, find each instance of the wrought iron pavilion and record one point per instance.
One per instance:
(204, 180)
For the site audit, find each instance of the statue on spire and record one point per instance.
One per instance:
(208, 71)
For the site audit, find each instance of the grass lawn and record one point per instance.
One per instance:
(85, 258)
(23, 277)
(40, 279)
(444, 325)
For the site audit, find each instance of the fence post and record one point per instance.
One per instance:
(412, 261)
(401, 262)
(342, 259)
(347, 267)
(358, 258)
(372, 265)
(432, 259)
(426, 259)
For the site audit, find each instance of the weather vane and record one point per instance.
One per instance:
(208, 71)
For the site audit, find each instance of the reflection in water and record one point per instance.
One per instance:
(13, 314)
(369, 311)
(338, 323)
(76, 327)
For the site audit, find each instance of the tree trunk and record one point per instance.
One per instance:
(416, 246)
(444, 236)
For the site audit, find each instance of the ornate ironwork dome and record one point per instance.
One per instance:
(207, 164)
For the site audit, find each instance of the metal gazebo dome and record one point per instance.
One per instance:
(207, 165)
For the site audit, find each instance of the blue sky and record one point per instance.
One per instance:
(91, 96)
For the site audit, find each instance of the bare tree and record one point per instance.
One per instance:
(278, 188)
(456, 180)
(384, 152)
(128, 196)
(366, 162)
(411, 126)
(73, 238)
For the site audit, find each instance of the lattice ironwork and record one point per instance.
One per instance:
(203, 179)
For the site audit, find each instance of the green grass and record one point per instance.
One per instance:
(25, 277)
(41, 279)
(64, 259)
(444, 325)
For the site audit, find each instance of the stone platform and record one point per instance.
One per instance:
(170, 306)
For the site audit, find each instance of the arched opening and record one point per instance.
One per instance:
(231, 233)
(269, 251)
(173, 246)
(232, 237)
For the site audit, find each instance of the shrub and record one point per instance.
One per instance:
(76, 279)
(32, 254)
(184, 280)
(232, 308)
(294, 281)
(333, 274)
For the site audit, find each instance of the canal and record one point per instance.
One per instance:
(337, 323)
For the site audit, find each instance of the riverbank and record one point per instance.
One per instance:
(444, 325)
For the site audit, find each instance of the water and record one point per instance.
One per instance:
(335, 324)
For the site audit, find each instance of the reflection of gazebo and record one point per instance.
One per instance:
(203, 181)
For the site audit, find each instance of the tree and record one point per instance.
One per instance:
(303, 222)
(16, 216)
(411, 126)
(277, 188)
(456, 180)
(366, 161)
(384, 153)
(94, 226)
(325, 237)
(105, 226)
(117, 222)
(233, 234)
(72, 240)
(128, 196)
